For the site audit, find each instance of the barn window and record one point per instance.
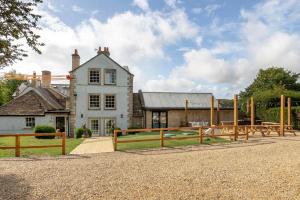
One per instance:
(30, 122)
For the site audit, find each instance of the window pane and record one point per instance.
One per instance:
(110, 76)
(110, 101)
(94, 101)
(94, 124)
(30, 122)
(109, 124)
(94, 76)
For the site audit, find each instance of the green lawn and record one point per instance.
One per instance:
(32, 141)
(167, 143)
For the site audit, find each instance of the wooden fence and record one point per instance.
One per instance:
(228, 130)
(18, 146)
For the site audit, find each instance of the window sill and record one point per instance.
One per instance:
(110, 109)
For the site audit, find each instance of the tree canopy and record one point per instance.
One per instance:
(17, 25)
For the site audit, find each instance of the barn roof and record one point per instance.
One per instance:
(176, 100)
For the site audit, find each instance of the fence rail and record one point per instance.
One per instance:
(232, 131)
(18, 146)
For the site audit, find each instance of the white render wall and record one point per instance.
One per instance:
(18, 123)
(83, 89)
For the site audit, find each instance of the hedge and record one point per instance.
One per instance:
(44, 129)
(273, 115)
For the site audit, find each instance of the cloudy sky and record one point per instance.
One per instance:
(173, 45)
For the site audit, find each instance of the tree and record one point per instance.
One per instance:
(8, 87)
(17, 25)
(272, 78)
(267, 87)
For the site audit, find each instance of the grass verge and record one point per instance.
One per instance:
(167, 143)
(32, 141)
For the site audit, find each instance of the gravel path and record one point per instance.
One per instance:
(266, 168)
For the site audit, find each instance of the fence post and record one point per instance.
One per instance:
(63, 144)
(115, 140)
(17, 151)
(161, 137)
(235, 131)
(246, 132)
(200, 135)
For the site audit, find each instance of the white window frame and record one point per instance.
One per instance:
(29, 122)
(89, 102)
(115, 78)
(106, 128)
(89, 76)
(105, 101)
(95, 131)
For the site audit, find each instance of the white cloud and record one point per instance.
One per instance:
(197, 10)
(142, 4)
(208, 10)
(76, 8)
(265, 38)
(51, 7)
(136, 40)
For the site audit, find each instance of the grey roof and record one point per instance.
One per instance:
(176, 100)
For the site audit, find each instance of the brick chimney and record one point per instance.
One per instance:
(104, 51)
(75, 59)
(46, 79)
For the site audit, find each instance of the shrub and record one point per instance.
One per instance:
(134, 127)
(44, 129)
(116, 128)
(79, 132)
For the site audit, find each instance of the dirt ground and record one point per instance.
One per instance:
(262, 168)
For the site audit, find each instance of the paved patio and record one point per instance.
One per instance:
(94, 145)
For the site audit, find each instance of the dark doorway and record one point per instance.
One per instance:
(60, 124)
(159, 119)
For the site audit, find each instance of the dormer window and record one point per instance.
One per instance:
(110, 76)
(94, 76)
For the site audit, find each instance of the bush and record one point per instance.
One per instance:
(112, 131)
(79, 132)
(44, 129)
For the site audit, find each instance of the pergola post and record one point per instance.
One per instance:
(235, 116)
(289, 112)
(252, 113)
(218, 111)
(186, 112)
(212, 110)
(282, 105)
(247, 107)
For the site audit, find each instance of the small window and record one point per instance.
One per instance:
(94, 76)
(110, 102)
(110, 76)
(94, 101)
(30, 122)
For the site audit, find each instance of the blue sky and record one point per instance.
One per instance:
(173, 45)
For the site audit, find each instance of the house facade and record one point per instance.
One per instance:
(101, 94)
(35, 105)
(100, 97)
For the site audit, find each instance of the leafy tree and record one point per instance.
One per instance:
(272, 78)
(17, 25)
(9, 86)
(267, 87)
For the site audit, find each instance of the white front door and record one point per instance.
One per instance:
(108, 125)
(94, 125)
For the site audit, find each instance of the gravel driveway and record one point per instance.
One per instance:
(263, 168)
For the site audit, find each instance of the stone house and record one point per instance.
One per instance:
(35, 104)
(101, 94)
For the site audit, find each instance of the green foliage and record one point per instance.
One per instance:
(8, 87)
(79, 132)
(18, 23)
(44, 129)
(266, 89)
(115, 128)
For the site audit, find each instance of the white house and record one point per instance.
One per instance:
(101, 94)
